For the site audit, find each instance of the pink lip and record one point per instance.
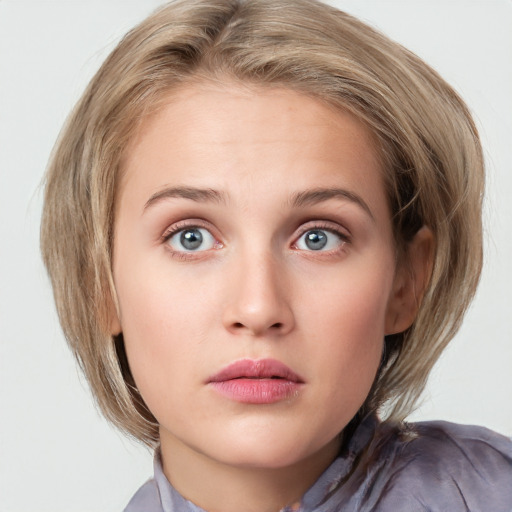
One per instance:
(262, 381)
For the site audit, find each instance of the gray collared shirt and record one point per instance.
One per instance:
(385, 467)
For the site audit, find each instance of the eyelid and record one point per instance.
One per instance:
(183, 225)
(329, 227)
(178, 226)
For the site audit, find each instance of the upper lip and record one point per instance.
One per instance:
(256, 369)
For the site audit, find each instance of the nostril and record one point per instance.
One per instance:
(276, 326)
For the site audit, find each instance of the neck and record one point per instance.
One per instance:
(223, 487)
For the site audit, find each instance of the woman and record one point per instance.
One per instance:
(278, 213)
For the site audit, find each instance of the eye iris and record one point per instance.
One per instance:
(316, 240)
(191, 239)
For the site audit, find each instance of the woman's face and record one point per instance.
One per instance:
(255, 271)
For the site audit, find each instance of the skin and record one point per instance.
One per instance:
(255, 289)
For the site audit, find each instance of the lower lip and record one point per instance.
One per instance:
(257, 391)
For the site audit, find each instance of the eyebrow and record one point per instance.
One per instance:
(319, 195)
(192, 193)
(307, 197)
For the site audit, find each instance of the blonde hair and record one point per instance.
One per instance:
(428, 141)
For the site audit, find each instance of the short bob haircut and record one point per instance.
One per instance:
(429, 146)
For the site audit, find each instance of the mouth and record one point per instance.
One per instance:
(256, 369)
(261, 381)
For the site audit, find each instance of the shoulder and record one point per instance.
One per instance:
(445, 466)
(465, 452)
(146, 499)
(461, 440)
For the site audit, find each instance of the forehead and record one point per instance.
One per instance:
(216, 136)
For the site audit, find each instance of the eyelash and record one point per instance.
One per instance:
(198, 224)
(329, 228)
(182, 226)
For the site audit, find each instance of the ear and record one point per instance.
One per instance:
(113, 318)
(411, 280)
(115, 324)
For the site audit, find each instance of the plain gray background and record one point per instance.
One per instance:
(56, 453)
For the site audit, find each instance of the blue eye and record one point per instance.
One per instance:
(319, 240)
(192, 239)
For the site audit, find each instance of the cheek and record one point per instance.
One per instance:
(166, 325)
(151, 314)
(352, 343)
(346, 319)
(351, 298)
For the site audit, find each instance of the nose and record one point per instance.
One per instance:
(259, 302)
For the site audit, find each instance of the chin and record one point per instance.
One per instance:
(269, 448)
(263, 457)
